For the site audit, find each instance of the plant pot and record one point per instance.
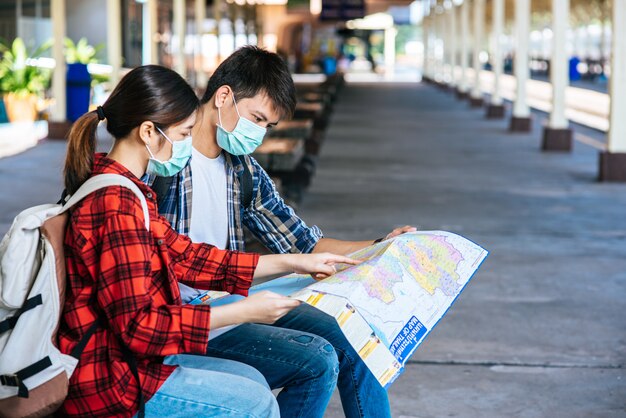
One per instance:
(21, 108)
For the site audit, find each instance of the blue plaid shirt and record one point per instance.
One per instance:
(268, 217)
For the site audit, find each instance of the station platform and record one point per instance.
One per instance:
(540, 330)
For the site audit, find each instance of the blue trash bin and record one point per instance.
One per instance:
(329, 65)
(574, 74)
(4, 118)
(78, 90)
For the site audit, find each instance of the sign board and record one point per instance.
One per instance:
(342, 10)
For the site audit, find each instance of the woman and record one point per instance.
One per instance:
(124, 278)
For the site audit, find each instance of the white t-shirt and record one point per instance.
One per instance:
(209, 210)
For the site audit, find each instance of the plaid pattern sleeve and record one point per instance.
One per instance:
(205, 266)
(274, 222)
(147, 324)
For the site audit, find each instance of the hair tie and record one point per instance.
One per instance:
(100, 111)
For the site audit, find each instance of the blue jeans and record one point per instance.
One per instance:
(209, 387)
(361, 394)
(304, 365)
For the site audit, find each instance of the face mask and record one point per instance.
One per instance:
(181, 152)
(244, 139)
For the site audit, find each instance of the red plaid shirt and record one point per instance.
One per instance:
(127, 277)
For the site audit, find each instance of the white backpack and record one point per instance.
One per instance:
(34, 374)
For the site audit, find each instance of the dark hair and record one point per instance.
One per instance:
(251, 70)
(147, 93)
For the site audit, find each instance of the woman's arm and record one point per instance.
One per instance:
(126, 291)
(318, 265)
(267, 307)
(263, 307)
(205, 266)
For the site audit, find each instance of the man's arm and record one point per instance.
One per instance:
(274, 222)
(347, 247)
(278, 227)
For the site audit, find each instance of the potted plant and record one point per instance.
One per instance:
(20, 82)
(77, 56)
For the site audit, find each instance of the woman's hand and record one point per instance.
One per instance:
(264, 307)
(320, 265)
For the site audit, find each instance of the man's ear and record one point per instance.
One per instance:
(147, 133)
(221, 95)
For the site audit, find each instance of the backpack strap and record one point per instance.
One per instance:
(161, 186)
(9, 323)
(17, 379)
(106, 180)
(247, 184)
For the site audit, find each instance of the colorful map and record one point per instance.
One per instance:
(401, 290)
(388, 304)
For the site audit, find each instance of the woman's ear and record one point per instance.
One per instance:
(147, 131)
(221, 95)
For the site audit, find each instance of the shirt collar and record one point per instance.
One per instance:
(105, 165)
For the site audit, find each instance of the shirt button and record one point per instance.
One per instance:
(149, 195)
(160, 242)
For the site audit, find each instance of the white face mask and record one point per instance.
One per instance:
(181, 152)
(244, 139)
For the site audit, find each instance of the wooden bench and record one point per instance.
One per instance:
(311, 110)
(300, 128)
(280, 154)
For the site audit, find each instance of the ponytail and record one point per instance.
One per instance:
(81, 147)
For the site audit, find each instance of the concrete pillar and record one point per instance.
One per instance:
(58, 112)
(201, 77)
(496, 106)
(233, 15)
(476, 96)
(38, 9)
(18, 18)
(150, 53)
(390, 52)
(445, 36)
(180, 31)
(436, 46)
(520, 121)
(217, 16)
(604, 8)
(557, 136)
(434, 41)
(258, 25)
(426, 76)
(452, 45)
(613, 160)
(464, 83)
(441, 49)
(114, 38)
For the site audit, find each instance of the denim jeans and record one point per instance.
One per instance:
(361, 394)
(210, 387)
(276, 353)
(304, 365)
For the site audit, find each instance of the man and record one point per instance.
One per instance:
(251, 92)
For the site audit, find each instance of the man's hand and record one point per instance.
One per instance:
(400, 231)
